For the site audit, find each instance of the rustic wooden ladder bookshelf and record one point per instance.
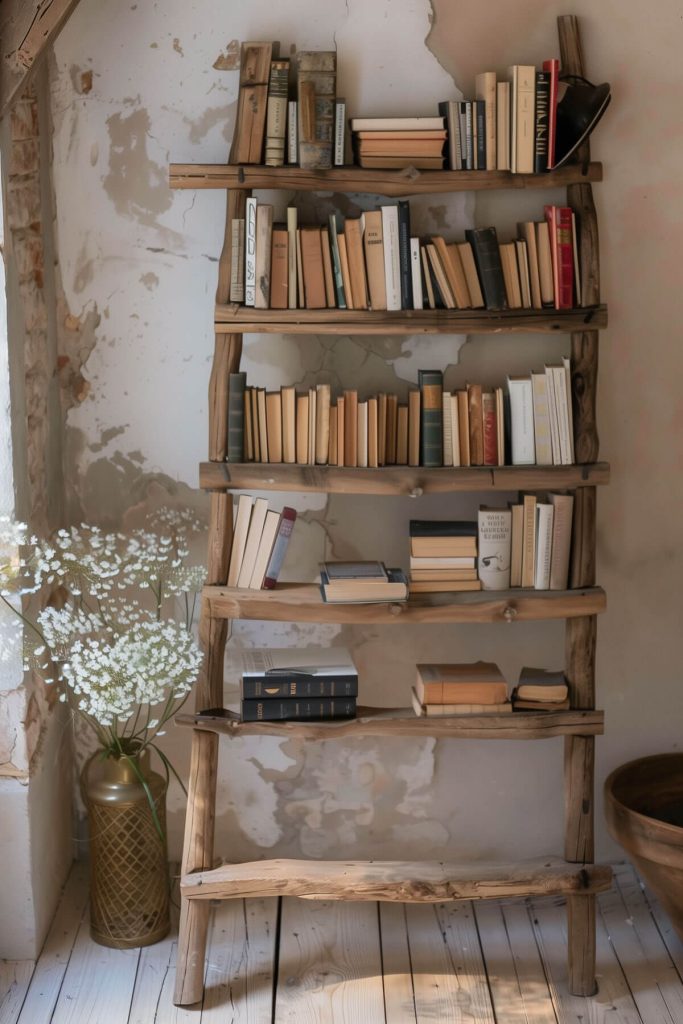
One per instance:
(575, 876)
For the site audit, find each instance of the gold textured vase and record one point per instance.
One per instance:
(129, 878)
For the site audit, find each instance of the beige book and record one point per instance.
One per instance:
(446, 429)
(279, 269)
(443, 586)
(312, 263)
(312, 424)
(237, 259)
(529, 540)
(333, 436)
(503, 126)
(302, 429)
(256, 524)
(516, 545)
(523, 269)
(402, 436)
(239, 537)
(542, 435)
(500, 425)
(341, 428)
(421, 163)
(442, 575)
(414, 427)
(291, 257)
(301, 295)
(264, 234)
(274, 425)
(508, 259)
(464, 427)
(448, 710)
(455, 429)
(372, 433)
(382, 429)
(440, 275)
(263, 424)
(470, 269)
(373, 243)
(248, 427)
(527, 230)
(356, 262)
(522, 117)
(362, 434)
(255, 424)
(351, 428)
(265, 548)
(346, 277)
(545, 264)
(391, 433)
(480, 682)
(427, 277)
(322, 423)
(327, 268)
(452, 268)
(485, 89)
(288, 403)
(563, 505)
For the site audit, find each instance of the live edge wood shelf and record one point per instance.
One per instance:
(573, 876)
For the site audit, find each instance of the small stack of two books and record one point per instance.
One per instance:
(541, 690)
(287, 684)
(473, 689)
(443, 556)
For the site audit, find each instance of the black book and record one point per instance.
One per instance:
(479, 111)
(404, 254)
(443, 528)
(236, 386)
(297, 710)
(469, 136)
(270, 687)
(507, 422)
(462, 116)
(484, 242)
(542, 113)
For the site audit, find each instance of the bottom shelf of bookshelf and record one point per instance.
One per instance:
(398, 881)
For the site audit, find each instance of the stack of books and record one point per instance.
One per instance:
(527, 544)
(280, 684)
(460, 689)
(443, 556)
(259, 544)
(361, 583)
(396, 142)
(540, 690)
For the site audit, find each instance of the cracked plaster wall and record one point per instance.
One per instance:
(135, 86)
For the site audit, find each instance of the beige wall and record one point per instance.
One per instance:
(143, 259)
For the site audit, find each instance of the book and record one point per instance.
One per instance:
(489, 416)
(528, 540)
(468, 135)
(577, 272)
(239, 537)
(394, 588)
(373, 455)
(552, 67)
(439, 275)
(328, 273)
(292, 132)
(237, 260)
(447, 429)
(545, 265)
(527, 231)
(544, 541)
(302, 429)
(356, 262)
(463, 531)
(523, 269)
(426, 275)
(541, 119)
(392, 257)
(312, 425)
(351, 428)
(279, 549)
(538, 705)
(336, 263)
(521, 421)
(264, 232)
(479, 121)
(339, 129)
(392, 124)
(256, 524)
(252, 102)
(455, 429)
(558, 376)
(235, 445)
(445, 710)
(322, 423)
(471, 277)
(373, 244)
(255, 423)
(303, 687)
(262, 664)
(295, 709)
(391, 432)
(431, 444)
(340, 430)
(312, 263)
(268, 535)
(486, 91)
(522, 121)
(478, 683)
(292, 285)
(443, 563)
(406, 285)
(362, 434)
(452, 268)
(250, 251)
(248, 427)
(274, 425)
(541, 685)
(438, 133)
(517, 539)
(484, 242)
(442, 575)
(288, 405)
(508, 262)
(542, 438)
(494, 543)
(476, 424)
(300, 293)
(553, 416)
(262, 423)
(316, 86)
(332, 457)
(346, 276)
(422, 163)
(367, 571)
(377, 144)
(559, 220)
(276, 113)
(279, 269)
(416, 274)
(503, 126)
(563, 505)
(443, 586)
(414, 417)
(449, 111)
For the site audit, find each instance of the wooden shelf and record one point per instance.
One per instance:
(412, 481)
(302, 602)
(408, 182)
(235, 318)
(403, 722)
(397, 881)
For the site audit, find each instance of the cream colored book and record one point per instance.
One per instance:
(527, 230)
(563, 505)
(508, 259)
(322, 424)
(524, 276)
(402, 436)
(516, 545)
(449, 710)
(302, 429)
(264, 233)
(545, 264)
(503, 126)
(312, 425)
(464, 427)
(292, 257)
(446, 429)
(362, 435)
(455, 429)
(529, 540)
(256, 524)
(265, 548)
(274, 425)
(372, 433)
(288, 401)
(340, 430)
(239, 537)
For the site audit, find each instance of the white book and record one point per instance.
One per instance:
(544, 545)
(562, 414)
(446, 429)
(339, 127)
(563, 505)
(239, 537)
(494, 547)
(291, 257)
(312, 422)
(552, 411)
(362, 434)
(250, 252)
(542, 437)
(522, 118)
(503, 126)
(521, 421)
(416, 273)
(455, 429)
(305, 661)
(397, 124)
(392, 262)
(292, 134)
(258, 518)
(566, 363)
(270, 528)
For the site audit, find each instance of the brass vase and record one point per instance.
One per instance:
(129, 878)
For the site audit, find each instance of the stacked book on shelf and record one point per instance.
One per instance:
(260, 540)
(291, 684)
(527, 544)
(443, 556)
(361, 583)
(395, 142)
(460, 689)
(528, 423)
(376, 262)
(540, 690)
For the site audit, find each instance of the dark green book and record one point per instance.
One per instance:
(431, 417)
(304, 687)
(298, 710)
(236, 388)
(336, 263)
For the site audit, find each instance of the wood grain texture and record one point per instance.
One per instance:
(408, 182)
(579, 768)
(399, 881)
(458, 927)
(301, 602)
(399, 1000)
(27, 27)
(580, 643)
(581, 945)
(379, 722)
(226, 360)
(231, 317)
(395, 480)
(584, 374)
(15, 978)
(213, 632)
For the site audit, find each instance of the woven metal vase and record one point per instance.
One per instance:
(129, 877)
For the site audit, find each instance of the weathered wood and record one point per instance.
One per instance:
(400, 881)
(581, 945)
(226, 360)
(27, 27)
(580, 639)
(213, 632)
(232, 317)
(302, 602)
(242, 956)
(579, 766)
(404, 722)
(395, 480)
(584, 373)
(399, 1004)
(458, 927)
(15, 979)
(380, 182)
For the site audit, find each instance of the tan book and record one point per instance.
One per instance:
(302, 429)
(341, 430)
(312, 425)
(455, 428)
(373, 244)
(356, 261)
(255, 422)
(451, 710)
(274, 425)
(529, 540)
(292, 286)
(333, 436)
(252, 103)
(248, 427)
(414, 427)
(256, 524)
(503, 126)
(563, 505)
(237, 253)
(440, 275)
(527, 231)
(456, 282)
(265, 549)
(264, 233)
(508, 260)
(464, 427)
(476, 424)
(279, 269)
(301, 294)
(442, 575)
(239, 537)
(427, 278)
(470, 270)
(382, 429)
(400, 147)
(327, 268)
(522, 120)
(545, 264)
(407, 133)
(372, 433)
(420, 163)
(478, 683)
(362, 434)
(446, 429)
(392, 425)
(444, 586)
(516, 545)
(539, 705)
(263, 424)
(346, 277)
(402, 436)
(524, 275)
(443, 547)
(500, 425)
(312, 262)
(322, 423)
(350, 428)
(458, 278)
(288, 404)
(541, 686)
(444, 564)
(485, 89)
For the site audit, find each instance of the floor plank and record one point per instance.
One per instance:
(240, 963)
(15, 977)
(330, 969)
(459, 928)
(671, 940)
(399, 999)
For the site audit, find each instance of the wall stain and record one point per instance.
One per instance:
(229, 60)
(106, 436)
(177, 47)
(150, 280)
(201, 126)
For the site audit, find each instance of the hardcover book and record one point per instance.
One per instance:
(235, 446)
(495, 533)
(297, 709)
(276, 119)
(431, 440)
(277, 555)
(484, 242)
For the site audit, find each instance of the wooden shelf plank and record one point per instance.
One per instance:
(302, 602)
(235, 318)
(381, 182)
(400, 881)
(412, 481)
(520, 725)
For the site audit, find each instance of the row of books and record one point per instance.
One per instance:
(481, 688)
(527, 544)
(259, 545)
(528, 423)
(374, 262)
(443, 556)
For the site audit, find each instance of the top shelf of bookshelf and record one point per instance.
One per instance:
(380, 182)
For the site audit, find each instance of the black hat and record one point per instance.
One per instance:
(578, 112)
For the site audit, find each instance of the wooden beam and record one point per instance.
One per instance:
(27, 27)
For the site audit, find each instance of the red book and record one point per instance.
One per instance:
(559, 220)
(277, 556)
(553, 66)
(490, 418)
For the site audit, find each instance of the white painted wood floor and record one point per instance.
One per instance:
(362, 963)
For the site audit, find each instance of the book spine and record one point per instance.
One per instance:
(476, 422)
(490, 424)
(447, 429)
(276, 118)
(542, 435)
(279, 551)
(237, 260)
(295, 710)
(528, 540)
(442, 528)
(250, 252)
(392, 259)
(247, 140)
(544, 542)
(416, 273)
(494, 546)
(269, 687)
(431, 441)
(292, 134)
(469, 137)
(449, 110)
(404, 254)
(521, 422)
(563, 505)
(336, 263)
(560, 223)
(553, 69)
(541, 116)
(236, 386)
(484, 242)
(339, 128)
(480, 114)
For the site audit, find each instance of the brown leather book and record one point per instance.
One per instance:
(279, 269)
(322, 424)
(373, 243)
(462, 292)
(327, 268)
(350, 428)
(312, 262)
(478, 683)
(527, 231)
(392, 429)
(302, 429)
(333, 435)
(346, 277)
(470, 269)
(274, 425)
(402, 436)
(301, 295)
(264, 235)
(474, 403)
(356, 261)
(464, 428)
(414, 427)
(508, 260)
(382, 429)
(372, 433)
(288, 403)
(263, 424)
